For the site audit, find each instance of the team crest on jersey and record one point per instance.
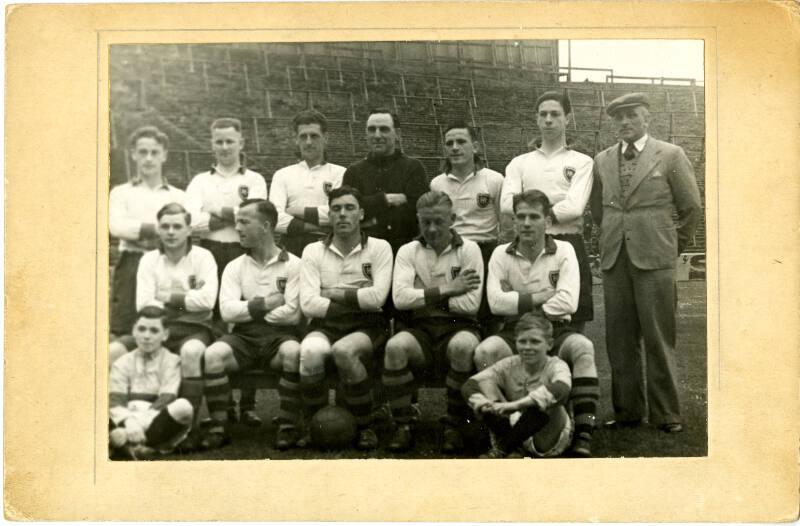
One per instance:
(281, 284)
(554, 278)
(569, 172)
(366, 268)
(484, 200)
(327, 186)
(244, 191)
(455, 271)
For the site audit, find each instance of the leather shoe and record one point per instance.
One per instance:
(672, 427)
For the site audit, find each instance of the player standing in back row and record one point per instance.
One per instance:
(390, 182)
(565, 176)
(300, 191)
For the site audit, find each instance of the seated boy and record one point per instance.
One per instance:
(521, 398)
(146, 416)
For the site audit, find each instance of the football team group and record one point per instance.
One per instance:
(373, 274)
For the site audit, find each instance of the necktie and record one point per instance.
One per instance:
(630, 152)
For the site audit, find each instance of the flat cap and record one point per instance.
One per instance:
(627, 101)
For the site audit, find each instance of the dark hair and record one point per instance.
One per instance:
(227, 122)
(395, 118)
(434, 198)
(172, 209)
(558, 96)
(461, 124)
(150, 132)
(153, 312)
(532, 197)
(310, 116)
(530, 321)
(265, 208)
(345, 190)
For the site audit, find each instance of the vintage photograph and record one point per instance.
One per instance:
(407, 249)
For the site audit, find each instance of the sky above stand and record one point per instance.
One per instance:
(641, 58)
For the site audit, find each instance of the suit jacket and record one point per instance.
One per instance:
(663, 181)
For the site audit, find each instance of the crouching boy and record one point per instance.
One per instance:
(146, 417)
(521, 398)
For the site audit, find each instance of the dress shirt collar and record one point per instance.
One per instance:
(638, 144)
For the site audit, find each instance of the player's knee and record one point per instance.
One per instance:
(181, 411)
(344, 355)
(289, 353)
(215, 356)
(395, 353)
(489, 352)
(312, 354)
(192, 352)
(461, 350)
(578, 351)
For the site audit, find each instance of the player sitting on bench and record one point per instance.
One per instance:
(259, 294)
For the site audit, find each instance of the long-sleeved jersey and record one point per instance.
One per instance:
(245, 279)
(565, 177)
(208, 190)
(132, 205)
(365, 274)
(191, 284)
(476, 202)
(299, 185)
(419, 273)
(513, 279)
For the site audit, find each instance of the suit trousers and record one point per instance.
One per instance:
(640, 309)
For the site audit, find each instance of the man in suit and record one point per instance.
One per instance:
(638, 184)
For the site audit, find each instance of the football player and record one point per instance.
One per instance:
(439, 278)
(259, 295)
(536, 273)
(345, 280)
(300, 191)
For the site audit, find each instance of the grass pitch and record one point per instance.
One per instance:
(643, 442)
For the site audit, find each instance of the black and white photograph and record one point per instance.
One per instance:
(443, 249)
